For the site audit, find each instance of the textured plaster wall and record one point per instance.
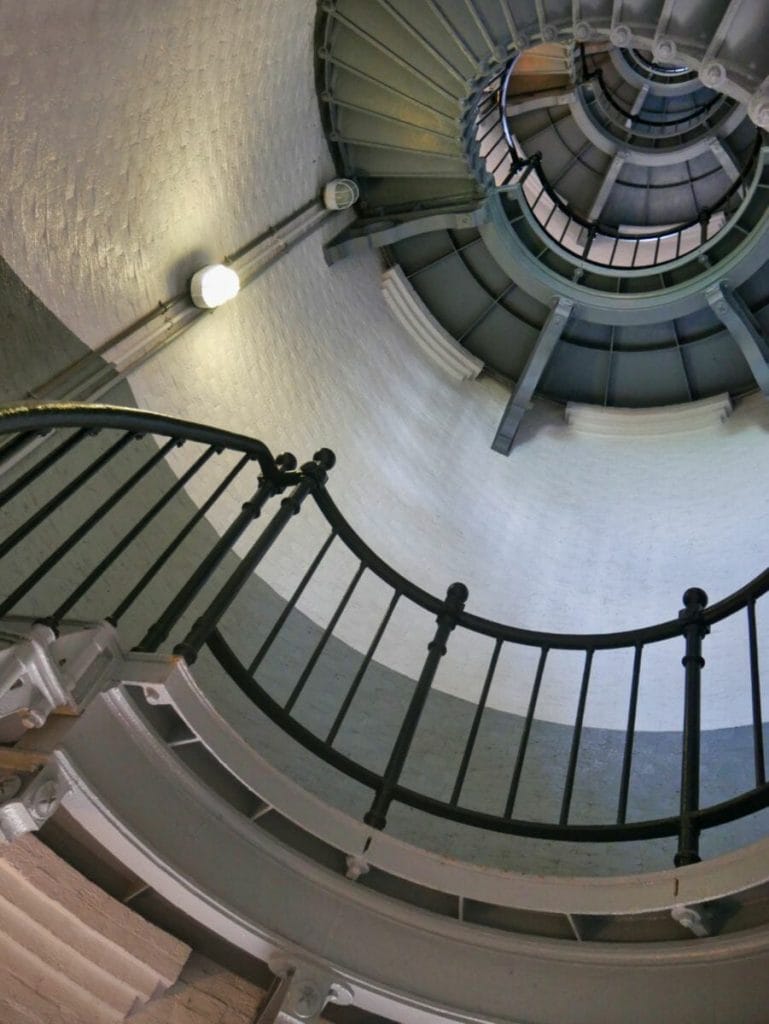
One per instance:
(34, 344)
(140, 140)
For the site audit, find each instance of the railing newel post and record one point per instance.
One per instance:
(453, 605)
(267, 487)
(311, 476)
(695, 629)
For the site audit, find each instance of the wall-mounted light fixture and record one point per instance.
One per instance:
(340, 194)
(214, 285)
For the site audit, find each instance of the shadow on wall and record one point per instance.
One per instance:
(35, 344)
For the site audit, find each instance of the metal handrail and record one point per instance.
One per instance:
(756, 588)
(645, 134)
(663, 73)
(597, 228)
(511, 168)
(40, 418)
(62, 481)
(597, 75)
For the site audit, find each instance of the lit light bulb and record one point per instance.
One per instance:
(214, 285)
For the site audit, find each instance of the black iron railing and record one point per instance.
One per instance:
(502, 167)
(86, 521)
(649, 68)
(659, 123)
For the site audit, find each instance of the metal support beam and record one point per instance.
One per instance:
(361, 237)
(721, 34)
(525, 103)
(535, 366)
(726, 158)
(739, 322)
(639, 101)
(663, 48)
(608, 183)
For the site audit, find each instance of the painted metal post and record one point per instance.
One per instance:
(267, 488)
(694, 630)
(313, 475)
(704, 224)
(456, 596)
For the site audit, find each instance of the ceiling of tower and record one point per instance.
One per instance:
(611, 179)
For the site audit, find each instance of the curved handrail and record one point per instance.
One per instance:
(660, 631)
(310, 482)
(647, 136)
(596, 229)
(40, 418)
(488, 115)
(387, 782)
(521, 167)
(664, 73)
(597, 75)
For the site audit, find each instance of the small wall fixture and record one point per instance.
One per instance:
(340, 194)
(214, 285)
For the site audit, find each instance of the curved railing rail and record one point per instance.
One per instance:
(642, 249)
(499, 163)
(658, 72)
(81, 486)
(657, 122)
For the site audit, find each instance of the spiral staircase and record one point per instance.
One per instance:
(430, 108)
(573, 198)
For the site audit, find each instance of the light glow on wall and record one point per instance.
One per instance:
(214, 285)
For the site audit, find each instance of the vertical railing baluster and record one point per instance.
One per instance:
(704, 223)
(312, 475)
(456, 596)
(522, 746)
(66, 492)
(88, 524)
(128, 538)
(627, 759)
(755, 691)
(15, 446)
(470, 745)
(290, 605)
(571, 770)
(176, 543)
(694, 630)
(325, 637)
(250, 511)
(591, 233)
(41, 466)
(362, 669)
